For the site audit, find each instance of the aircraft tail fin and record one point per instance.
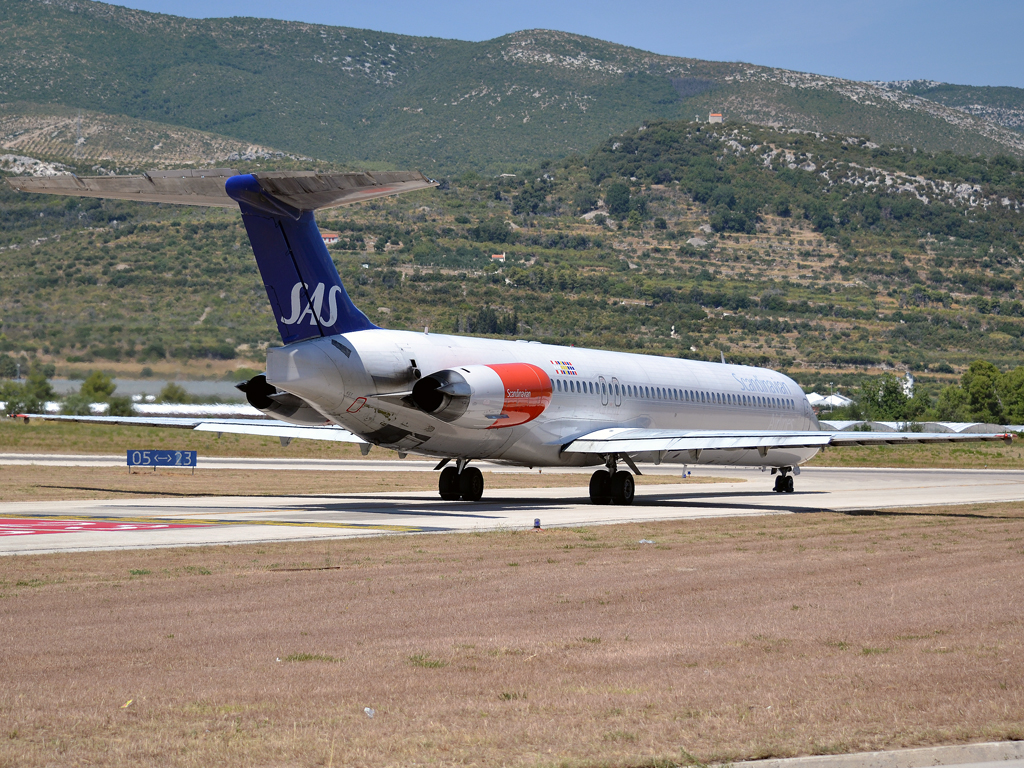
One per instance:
(303, 286)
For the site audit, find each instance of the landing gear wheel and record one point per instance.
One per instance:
(448, 484)
(471, 484)
(623, 488)
(780, 484)
(788, 487)
(601, 487)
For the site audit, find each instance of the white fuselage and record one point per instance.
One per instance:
(358, 381)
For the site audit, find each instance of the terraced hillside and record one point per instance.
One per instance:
(443, 106)
(817, 253)
(115, 141)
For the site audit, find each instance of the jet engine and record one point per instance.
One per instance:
(280, 405)
(484, 396)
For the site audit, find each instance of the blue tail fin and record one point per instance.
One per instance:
(305, 292)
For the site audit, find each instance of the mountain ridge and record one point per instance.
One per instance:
(446, 106)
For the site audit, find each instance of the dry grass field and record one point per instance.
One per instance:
(722, 639)
(42, 483)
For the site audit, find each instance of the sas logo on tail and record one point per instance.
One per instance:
(301, 308)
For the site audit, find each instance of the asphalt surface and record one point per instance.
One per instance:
(39, 527)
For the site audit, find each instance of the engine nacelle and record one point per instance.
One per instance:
(284, 406)
(484, 396)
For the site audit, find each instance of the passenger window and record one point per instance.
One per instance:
(558, 384)
(616, 390)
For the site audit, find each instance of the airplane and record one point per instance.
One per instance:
(464, 399)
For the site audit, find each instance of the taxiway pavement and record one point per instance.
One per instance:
(39, 527)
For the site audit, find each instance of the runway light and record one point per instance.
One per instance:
(536, 524)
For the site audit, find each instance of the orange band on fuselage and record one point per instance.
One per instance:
(527, 393)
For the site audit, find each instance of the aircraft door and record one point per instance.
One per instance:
(614, 386)
(604, 390)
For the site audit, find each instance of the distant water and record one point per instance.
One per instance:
(225, 390)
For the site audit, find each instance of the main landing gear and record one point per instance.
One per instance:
(784, 481)
(608, 486)
(461, 482)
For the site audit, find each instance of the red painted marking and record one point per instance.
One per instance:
(356, 405)
(26, 526)
(527, 392)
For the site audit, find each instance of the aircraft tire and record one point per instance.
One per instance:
(448, 484)
(779, 484)
(471, 484)
(623, 488)
(600, 487)
(789, 487)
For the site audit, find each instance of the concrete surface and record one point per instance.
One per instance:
(36, 527)
(999, 754)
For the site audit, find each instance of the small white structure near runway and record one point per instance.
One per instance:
(956, 427)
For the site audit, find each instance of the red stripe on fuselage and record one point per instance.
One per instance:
(527, 393)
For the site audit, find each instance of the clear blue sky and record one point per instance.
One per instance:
(976, 43)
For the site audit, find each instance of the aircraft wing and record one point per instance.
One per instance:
(271, 428)
(625, 440)
(301, 190)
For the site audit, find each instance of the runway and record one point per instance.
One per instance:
(67, 526)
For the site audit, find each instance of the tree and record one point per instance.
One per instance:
(174, 393)
(616, 199)
(980, 381)
(37, 385)
(585, 200)
(18, 398)
(98, 386)
(121, 406)
(953, 404)
(1011, 392)
(76, 405)
(886, 400)
(8, 367)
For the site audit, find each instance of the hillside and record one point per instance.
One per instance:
(820, 254)
(444, 106)
(112, 143)
(1003, 105)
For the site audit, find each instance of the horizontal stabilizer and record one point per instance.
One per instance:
(298, 190)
